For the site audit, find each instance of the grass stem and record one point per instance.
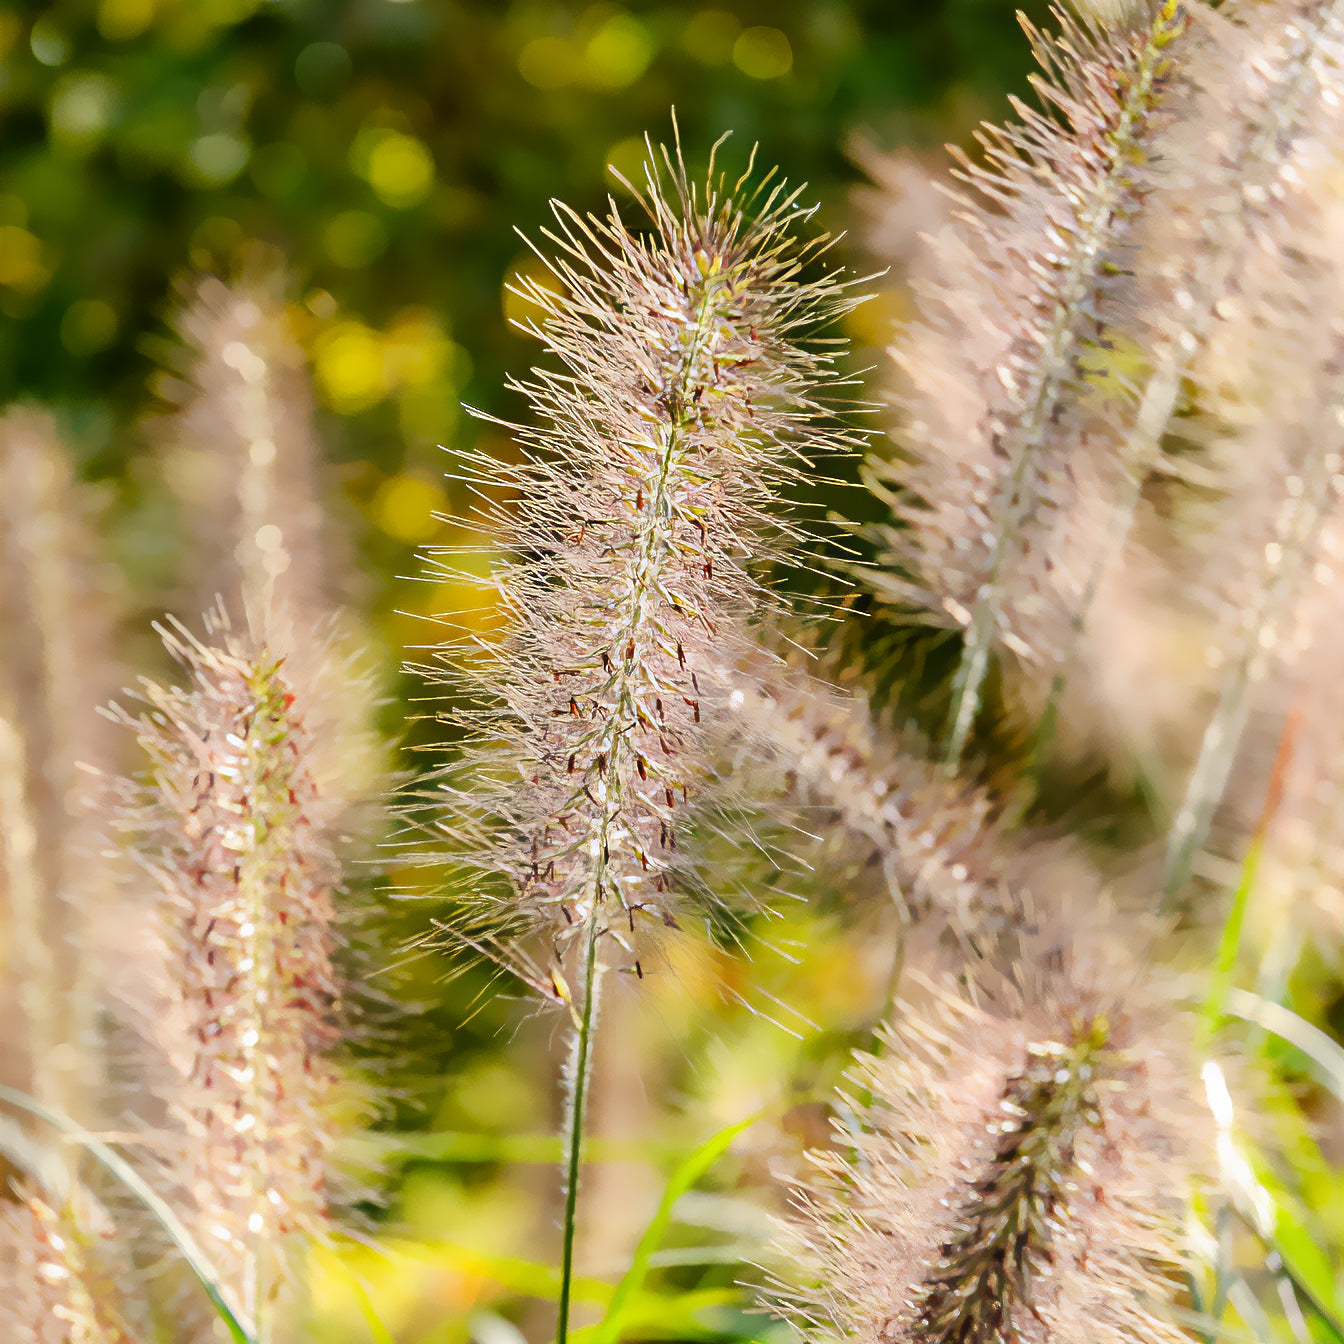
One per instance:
(577, 1116)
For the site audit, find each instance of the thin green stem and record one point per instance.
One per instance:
(574, 1161)
(1230, 942)
(650, 556)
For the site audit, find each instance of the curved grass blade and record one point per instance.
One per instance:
(690, 1170)
(136, 1184)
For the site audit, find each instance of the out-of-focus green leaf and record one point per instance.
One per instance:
(623, 1311)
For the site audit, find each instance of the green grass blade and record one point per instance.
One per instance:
(135, 1183)
(380, 1333)
(1324, 1056)
(696, 1163)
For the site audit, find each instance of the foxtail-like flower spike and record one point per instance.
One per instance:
(1259, 538)
(646, 503)
(242, 457)
(240, 1013)
(942, 846)
(54, 1291)
(56, 607)
(1019, 1176)
(643, 508)
(993, 420)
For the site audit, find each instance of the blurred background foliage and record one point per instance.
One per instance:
(384, 152)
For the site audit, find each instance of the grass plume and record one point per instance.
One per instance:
(241, 1013)
(642, 514)
(1026, 275)
(1020, 1170)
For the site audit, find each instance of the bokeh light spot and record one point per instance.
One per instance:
(279, 169)
(81, 109)
(548, 62)
(626, 158)
(122, 20)
(348, 362)
(401, 170)
(21, 264)
(417, 351)
(618, 53)
(404, 508)
(763, 53)
(322, 69)
(354, 238)
(214, 240)
(710, 35)
(89, 325)
(215, 160)
(48, 42)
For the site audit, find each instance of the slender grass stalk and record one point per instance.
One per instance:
(645, 509)
(1315, 496)
(583, 1038)
(239, 1015)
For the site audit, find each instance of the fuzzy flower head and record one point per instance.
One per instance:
(239, 1013)
(241, 453)
(643, 507)
(1020, 1175)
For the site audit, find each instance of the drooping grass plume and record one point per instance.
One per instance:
(1021, 1168)
(645, 505)
(943, 847)
(1001, 446)
(239, 1016)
